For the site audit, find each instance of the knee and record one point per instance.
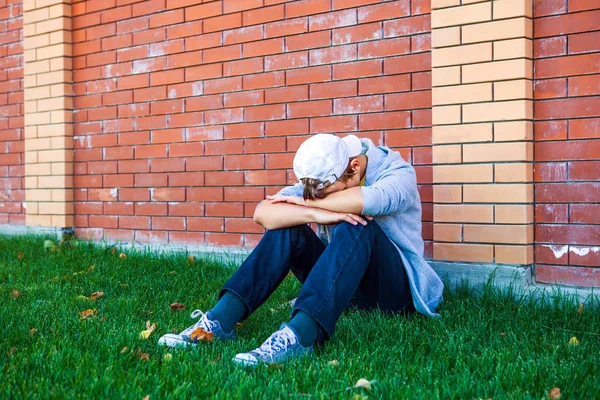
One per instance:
(294, 230)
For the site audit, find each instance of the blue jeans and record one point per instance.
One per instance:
(360, 267)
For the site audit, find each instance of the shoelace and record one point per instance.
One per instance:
(278, 341)
(203, 323)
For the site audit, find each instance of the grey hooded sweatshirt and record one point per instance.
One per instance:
(391, 197)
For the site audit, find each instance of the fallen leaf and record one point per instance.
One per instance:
(122, 256)
(16, 293)
(580, 309)
(143, 356)
(123, 285)
(12, 351)
(48, 244)
(145, 334)
(87, 313)
(172, 273)
(363, 383)
(554, 393)
(146, 397)
(573, 341)
(202, 335)
(502, 333)
(190, 260)
(82, 297)
(177, 306)
(359, 397)
(20, 255)
(168, 357)
(334, 362)
(124, 350)
(96, 295)
(32, 331)
(91, 268)
(274, 366)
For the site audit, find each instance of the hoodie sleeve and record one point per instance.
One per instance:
(393, 192)
(294, 190)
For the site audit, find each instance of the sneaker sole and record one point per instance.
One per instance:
(245, 362)
(172, 340)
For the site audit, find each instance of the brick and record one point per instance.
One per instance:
(263, 47)
(266, 80)
(358, 105)
(331, 20)
(481, 173)
(570, 276)
(466, 54)
(245, 130)
(264, 145)
(224, 147)
(407, 63)
(511, 151)
(513, 214)
(408, 100)
(447, 155)
(224, 22)
(203, 41)
(308, 41)
(446, 76)
(395, 83)
(306, 7)
(549, 47)
(266, 177)
(566, 24)
(512, 90)
(582, 128)
(498, 30)
(206, 224)
(407, 26)
(550, 172)
(286, 127)
(577, 213)
(508, 9)
(581, 43)
(244, 162)
(497, 70)
(445, 37)
(264, 14)
(243, 67)
(463, 252)
(224, 53)
(203, 72)
(568, 108)
(584, 85)
(567, 192)
(462, 94)
(506, 234)
(150, 209)
(506, 110)
(204, 11)
(513, 130)
(286, 94)
(520, 255)
(357, 69)
(467, 14)
(286, 27)
(498, 193)
(388, 120)
(514, 48)
(446, 115)
(333, 55)
(286, 61)
(229, 209)
(309, 109)
(584, 171)
(384, 48)
(357, 33)
(223, 85)
(384, 11)
(265, 113)
(242, 35)
(447, 233)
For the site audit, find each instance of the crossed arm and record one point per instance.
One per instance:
(286, 211)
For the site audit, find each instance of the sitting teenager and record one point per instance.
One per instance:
(367, 252)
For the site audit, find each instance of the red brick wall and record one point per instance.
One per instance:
(567, 134)
(12, 168)
(186, 118)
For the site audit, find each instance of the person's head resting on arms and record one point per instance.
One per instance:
(326, 163)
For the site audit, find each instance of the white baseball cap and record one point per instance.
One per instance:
(325, 156)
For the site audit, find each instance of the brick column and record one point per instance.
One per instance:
(48, 113)
(482, 130)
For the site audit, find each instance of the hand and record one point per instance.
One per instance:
(325, 217)
(289, 199)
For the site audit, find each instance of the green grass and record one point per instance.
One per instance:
(484, 346)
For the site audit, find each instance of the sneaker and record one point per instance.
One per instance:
(204, 330)
(280, 347)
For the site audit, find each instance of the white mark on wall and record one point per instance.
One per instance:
(584, 251)
(197, 88)
(114, 193)
(172, 93)
(140, 66)
(108, 71)
(558, 251)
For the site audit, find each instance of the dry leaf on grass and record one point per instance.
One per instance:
(359, 397)
(146, 397)
(554, 393)
(177, 306)
(334, 362)
(87, 313)
(82, 297)
(16, 293)
(96, 295)
(149, 329)
(122, 256)
(124, 350)
(363, 383)
(123, 285)
(202, 335)
(190, 260)
(573, 341)
(91, 268)
(143, 356)
(32, 331)
(167, 357)
(580, 308)
(20, 255)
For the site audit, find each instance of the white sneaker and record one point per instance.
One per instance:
(204, 330)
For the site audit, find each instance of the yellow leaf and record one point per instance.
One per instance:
(122, 256)
(363, 383)
(145, 334)
(334, 362)
(190, 260)
(124, 350)
(554, 393)
(96, 295)
(168, 357)
(573, 341)
(580, 309)
(32, 331)
(151, 327)
(359, 397)
(20, 255)
(16, 293)
(146, 397)
(87, 313)
(91, 268)
(82, 297)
